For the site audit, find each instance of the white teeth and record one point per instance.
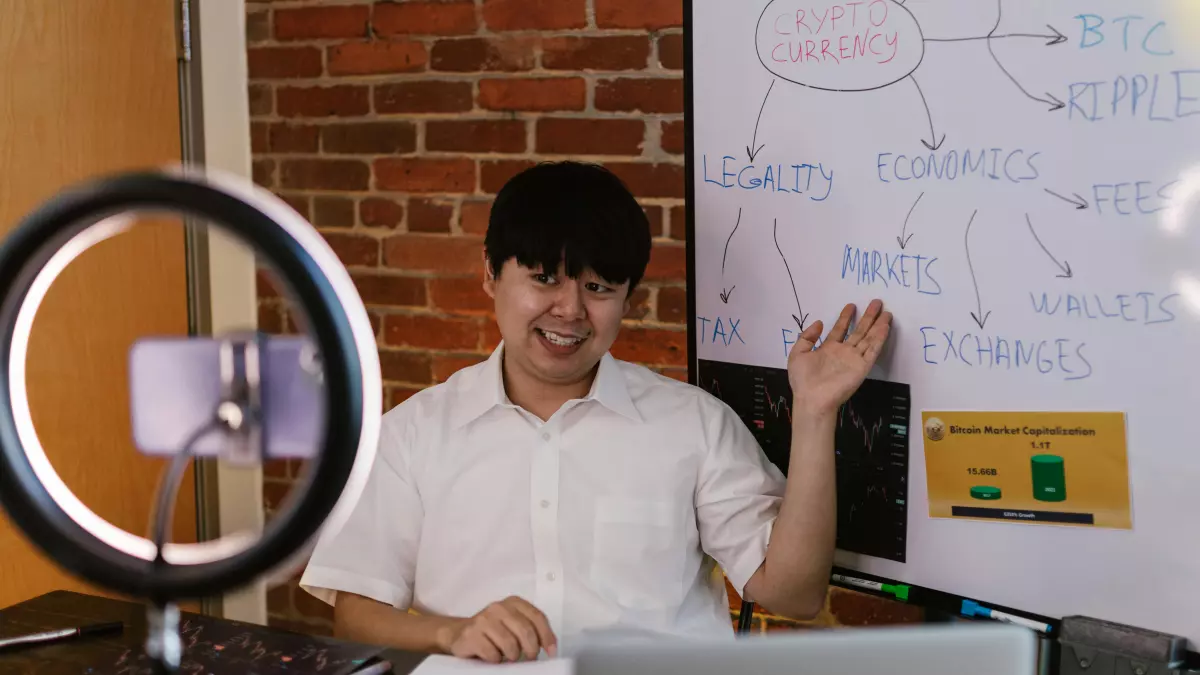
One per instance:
(560, 340)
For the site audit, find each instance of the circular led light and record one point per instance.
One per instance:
(38, 500)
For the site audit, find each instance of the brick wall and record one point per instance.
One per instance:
(391, 125)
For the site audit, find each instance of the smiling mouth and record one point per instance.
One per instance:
(559, 339)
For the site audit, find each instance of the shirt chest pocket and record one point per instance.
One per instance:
(638, 554)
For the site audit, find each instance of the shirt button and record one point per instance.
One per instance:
(545, 436)
(549, 576)
(545, 503)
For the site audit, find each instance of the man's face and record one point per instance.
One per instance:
(554, 327)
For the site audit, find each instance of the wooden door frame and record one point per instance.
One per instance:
(215, 132)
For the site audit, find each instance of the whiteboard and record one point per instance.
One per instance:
(1060, 156)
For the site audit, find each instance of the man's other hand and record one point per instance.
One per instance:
(509, 630)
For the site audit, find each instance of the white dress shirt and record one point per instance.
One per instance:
(601, 516)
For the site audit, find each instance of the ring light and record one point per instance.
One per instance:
(34, 495)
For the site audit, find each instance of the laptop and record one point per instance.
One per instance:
(942, 649)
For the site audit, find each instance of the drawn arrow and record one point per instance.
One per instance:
(903, 240)
(1079, 202)
(1064, 265)
(936, 142)
(979, 315)
(1056, 39)
(726, 292)
(800, 316)
(752, 153)
(1051, 100)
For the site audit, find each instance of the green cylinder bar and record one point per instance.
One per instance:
(1049, 478)
(985, 492)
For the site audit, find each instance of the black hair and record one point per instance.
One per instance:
(577, 214)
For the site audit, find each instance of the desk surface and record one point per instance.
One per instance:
(101, 655)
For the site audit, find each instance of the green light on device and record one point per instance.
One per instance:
(1049, 478)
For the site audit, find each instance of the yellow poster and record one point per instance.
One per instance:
(1055, 468)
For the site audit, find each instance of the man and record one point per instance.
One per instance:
(553, 490)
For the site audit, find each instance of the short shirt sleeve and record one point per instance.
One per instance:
(738, 495)
(374, 553)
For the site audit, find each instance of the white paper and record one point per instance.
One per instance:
(438, 664)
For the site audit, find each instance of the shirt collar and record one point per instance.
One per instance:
(487, 390)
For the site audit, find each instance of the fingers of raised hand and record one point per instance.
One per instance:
(864, 325)
(873, 343)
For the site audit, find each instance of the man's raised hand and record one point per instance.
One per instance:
(824, 378)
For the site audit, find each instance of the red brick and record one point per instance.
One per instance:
(672, 304)
(426, 331)
(647, 14)
(401, 366)
(389, 289)
(673, 137)
(493, 175)
(651, 180)
(466, 55)
(425, 175)
(678, 223)
(269, 63)
(475, 136)
(275, 468)
(459, 295)
(262, 172)
(851, 608)
(639, 304)
(265, 282)
(424, 18)
(668, 262)
(284, 138)
(423, 97)
(293, 626)
(376, 323)
(377, 57)
(399, 395)
(618, 52)
(648, 95)
(563, 136)
(565, 93)
(343, 100)
(655, 215)
(473, 216)
(303, 23)
(380, 212)
(651, 346)
(534, 14)
(370, 138)
(270, 319)
(680, 374)
(425, 215)
(258, 26)
(333, 211)
(274, 493)
(262, 99)
(446, 365)
(301, 203)
(491, 335)
(354, 249)
(670, 51)
(324, 174)
(279, 598)
(260, 138)
(434, 253)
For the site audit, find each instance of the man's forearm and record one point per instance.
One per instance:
(800, 553)
(360, 619)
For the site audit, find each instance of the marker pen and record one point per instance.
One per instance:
(972, 608)
(898, 590)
